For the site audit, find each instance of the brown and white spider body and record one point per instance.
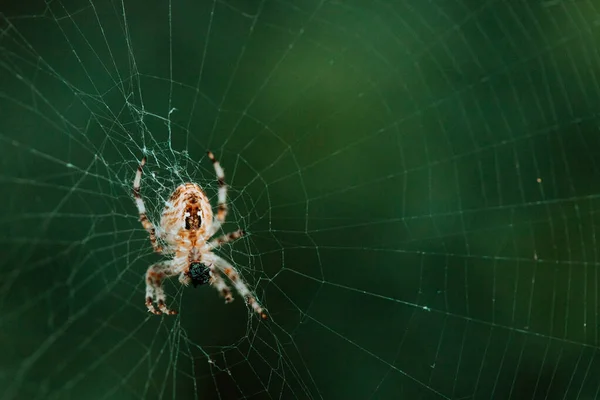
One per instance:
(186, 225)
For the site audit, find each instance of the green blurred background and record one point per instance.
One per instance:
(418, 179)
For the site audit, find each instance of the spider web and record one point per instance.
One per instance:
(418, 181)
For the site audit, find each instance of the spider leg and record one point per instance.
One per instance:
(229, 237)
(228, 269)
(154, 290)
(184, 279)
(222, 211)
(139, 202)
(217, 281)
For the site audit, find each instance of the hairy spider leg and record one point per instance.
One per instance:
(217, 281)
(155, 276)
(222, 200)
(228, 269)
(139, 202)
(228, 237)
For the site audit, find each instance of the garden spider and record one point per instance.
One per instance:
(186, 225)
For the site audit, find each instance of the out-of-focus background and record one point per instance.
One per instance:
(419, 181)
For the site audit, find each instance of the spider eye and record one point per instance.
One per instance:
(199, 273)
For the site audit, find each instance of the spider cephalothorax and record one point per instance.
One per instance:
(186, 225)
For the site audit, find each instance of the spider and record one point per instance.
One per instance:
(186, 225)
